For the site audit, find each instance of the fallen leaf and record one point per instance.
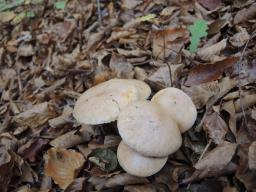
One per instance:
(63, 29)
(104, 158)
(123, 180)
(243, 173)
(210, 4)
(6, 16)
(6, 168)
(65, 117)
(252, 156)
(72, 138)
(216, 127)
(211, 165)
(209, 53)
(140, 188)
(31, 149)
(25, 50)
(36, 116)
(209, 72)
(63, 165)
(168, 42)
(130, 4)
(78, 185)
(239, 39)
(245, 14)
(247, 101)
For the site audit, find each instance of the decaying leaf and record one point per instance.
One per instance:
(216, 127)
(245, 14)
(104, 158)
(78, 185)
(209, 72)
(63, 165)
(6, 168)
(140, 188)
(210, 4)
(252, 156)
(168, 42)
(36, 116)
(209, 53)
(239, 39)
(214, 162)
(73, 138)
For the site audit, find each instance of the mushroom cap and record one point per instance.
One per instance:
(142, 87)
(144, 127)
(136, 164)
(178, 105)
(103, 102)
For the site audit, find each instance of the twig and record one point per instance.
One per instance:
(99, 12)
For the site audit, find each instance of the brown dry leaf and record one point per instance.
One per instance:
(116, 35)
(210, 4)
(247, 101)
(36, 116)
(216, 127)
(209, 72)
(120, 67)
(65, 117)
(32, 148)
(93, 40)
(123, 180)
(245, 14)
(130, 4)
(63, 165)
(133, 53)
(216, 26)
(161, 77)
(8, 141)
(6, 168)
(214, 162)
(168, 42)
(210, 53)
(78, 185)
(73, 138)
(243, 173)
(140, 188)
(200, 94)
(239, 39)
(230, 108)
(63, 30)
(252, 156)
(25, 50)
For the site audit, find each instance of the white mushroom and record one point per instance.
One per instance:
(136, 164)
(103, 102)
(178, 105)
(145, 127)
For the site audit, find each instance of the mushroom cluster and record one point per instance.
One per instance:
(150, 130)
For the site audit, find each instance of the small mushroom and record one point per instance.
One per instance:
(178, 105)
(103, 102)
(145, 127)
(136, 164)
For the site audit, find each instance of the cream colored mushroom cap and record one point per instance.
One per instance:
(142, 87)
(178, 105)
(103, 102)
(144, 127)
(136, 164)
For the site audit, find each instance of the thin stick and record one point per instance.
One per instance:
(205, 149)
(99, 12)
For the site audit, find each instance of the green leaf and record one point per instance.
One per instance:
(60, 4)
(197, 30)
(104, 158)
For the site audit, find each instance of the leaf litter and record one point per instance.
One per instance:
(52, 51)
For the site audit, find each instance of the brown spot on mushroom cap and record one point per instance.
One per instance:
(144, 127)
(136, 164)
(178, 105)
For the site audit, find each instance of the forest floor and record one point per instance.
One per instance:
(51, 52)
